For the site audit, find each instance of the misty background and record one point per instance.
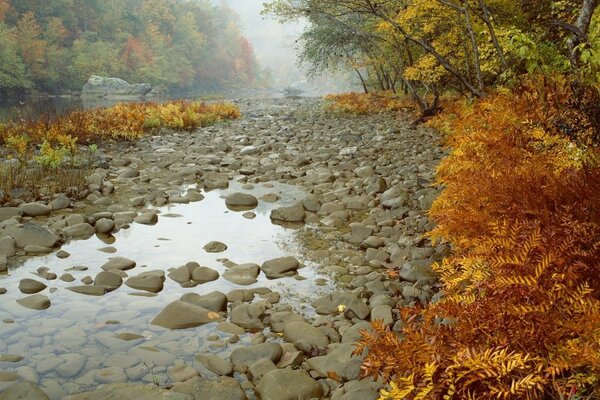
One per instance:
(275, 49)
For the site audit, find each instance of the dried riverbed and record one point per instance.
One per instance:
(335, 203)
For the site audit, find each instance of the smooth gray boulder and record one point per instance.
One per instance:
(340, 360)
(181, 315)
(248, 355)
(294, 214)
(151, 281)
(297, 331)
(241, 201)
(25, 390)
(35, 210)
(280, 267)
(35, 302)
(126, 391)
(31, 286)
(120, 263)
(213, 301)
(215, 364)
(32, 234)
(243, 274)
(108, 280)
(287, 384)
(223, 389)
(215, 247)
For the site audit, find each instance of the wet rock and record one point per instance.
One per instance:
(60, 203)
(340, 361)
(294, 214)
(7, 213)
(300, 331)
(105, 225)
(127, 336)
(35, 210)
(181, 372)
(243, 274)
(129, 391)
(119, 263)
(62, 254)
(214, 301)
(12, 358)
(215, 364)
(396, 197)
(337, 302)
(71, 365)
(248, 316)
(31, 286)
(414, 272)
(215, 247)
(223, 389)
(181, 274)
(260, 368)
(81, 230)
(108, 280)
(32, 234)
(248, 150)
(182, 315)
(7, 246)
(383, 313)
(202, 275)
(248, 355)
(280, 267)
(89, 290)
(285, 384)
(241, 200)
(26, 390)
(3, 263)
(279, 320)
(35, 302)
(151, 281)
(147, 218)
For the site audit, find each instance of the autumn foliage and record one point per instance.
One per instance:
(55, 138)
(520, 315)
(367, 103)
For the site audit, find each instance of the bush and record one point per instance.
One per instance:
(361, 103)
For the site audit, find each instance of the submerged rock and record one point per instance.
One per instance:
(182, 315)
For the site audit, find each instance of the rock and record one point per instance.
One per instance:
(340, 360)
(7, 246)
(100, 87)
(280, 319)
(35, 210)
(90, 290)
(35, 302)
(151, 281)
(382, 312)
(71, 365)
(105, 225)
(128, 337)
(248, 355)
(241, 200)
(62, 254)
(181, 373)
(280, 267)
(118, 263)
(215, 247)
(260, 368)
(353, 334)
(202, 275)
(181, 274)
(108, 280)
(336, 302)
(414, 273)
(248, 316)
(302, 331)
(127, 391)
(248, 150)
(395, 197)
(286, 384)
(81, 230)
(214, 301)
(147, 218)
(243, 274)
(224, 389)
(12, 358)
(60, 203)
(7, 213)
(215, 364)
(33, 234)
(181, 315)
(294, 214)
(31, 286)
(26, 390)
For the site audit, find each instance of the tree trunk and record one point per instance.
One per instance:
(476, 62)
(583, 25)
(487, 19)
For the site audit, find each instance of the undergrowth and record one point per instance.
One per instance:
(361, 103)
(520, 315)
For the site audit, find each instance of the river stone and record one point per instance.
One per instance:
(293, 214)
(353, 334)
(297, 331)
(336, 302)
(151, 281)
(32, 234)
(35, 210)
(414, 272)
(60, 203)
(90, 290)
(81, 230)
(223, 389)
(26, 390)
(182, 315)
(147, 218)
(248, 355)
(241, 200)
(31, 286)
(35, 302)
(9, 212)
(214, 301)
(248, 150)
(248, 316)
(181, 372)
(340, 360)
(128, 391)
(71, 365)
(286, 384)
(120, 263)
(215, 364)
(202, 275)
(280, 267)
(215, 247)
(7, 246)
(382, 312)
(105, 225)
(396, 197)
(243, 274)
(181, 274)
(108, 280)
(280, 319)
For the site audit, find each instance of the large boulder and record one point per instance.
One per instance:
(182, 315)
(25, 390)
(32, 234)
(286, 384)
(129, 391)
(98, 86)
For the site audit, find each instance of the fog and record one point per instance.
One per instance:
(275, 48)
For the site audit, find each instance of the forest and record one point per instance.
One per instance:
(54, 46)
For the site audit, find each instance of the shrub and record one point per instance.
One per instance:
(361, 103)
(520, 315)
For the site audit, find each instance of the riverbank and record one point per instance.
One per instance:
(349, 197)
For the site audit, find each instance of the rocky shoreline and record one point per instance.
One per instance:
(367, 184)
